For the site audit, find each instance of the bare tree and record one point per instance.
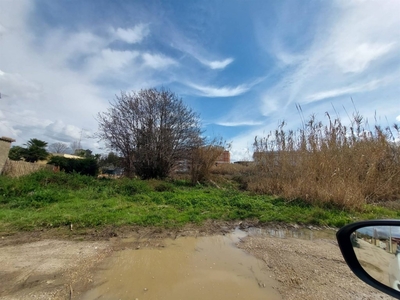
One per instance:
(152, 129)
(58, 148)
(75, 145)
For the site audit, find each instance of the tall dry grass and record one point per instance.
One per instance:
(20, 168)
(203, 159)
(344, 165)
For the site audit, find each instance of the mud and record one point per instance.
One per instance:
(186, 268)
(309, 269)
(298, 263)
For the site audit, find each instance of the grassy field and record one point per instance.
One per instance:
(47, 200)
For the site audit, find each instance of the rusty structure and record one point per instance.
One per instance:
(224, 158)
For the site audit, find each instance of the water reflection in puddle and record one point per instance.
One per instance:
(187, 268)
(298, 233)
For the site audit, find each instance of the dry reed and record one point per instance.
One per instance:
(343, 165)
(20, 168)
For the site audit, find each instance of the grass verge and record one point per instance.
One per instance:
(49, 200)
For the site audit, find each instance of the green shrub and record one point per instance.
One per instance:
(128, 187)
(86, 166)
(164, 187)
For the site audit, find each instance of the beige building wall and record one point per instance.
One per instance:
(5, 144)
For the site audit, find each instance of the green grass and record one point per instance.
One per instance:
(48, 200)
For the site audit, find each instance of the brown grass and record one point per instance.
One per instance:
(347, 166)
(19, 168)
(203, 159)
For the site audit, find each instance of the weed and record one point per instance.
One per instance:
(344, 165)
(48, 200)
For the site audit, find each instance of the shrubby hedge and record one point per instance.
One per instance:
(85, 166)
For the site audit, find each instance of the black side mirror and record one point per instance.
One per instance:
(372, 251)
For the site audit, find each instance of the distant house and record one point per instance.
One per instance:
(67, 155)
(185, 164)
(45, 161)
(275, 158)
(224, 158)
(5, 144)
(112, 171)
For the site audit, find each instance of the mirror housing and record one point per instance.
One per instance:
(346, 245)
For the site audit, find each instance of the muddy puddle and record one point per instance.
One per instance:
(297, 233)
(186, 268)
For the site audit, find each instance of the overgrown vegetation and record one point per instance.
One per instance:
(347, 166)
(204, 158)
(35, 150)
(46, 200)
(84, 166)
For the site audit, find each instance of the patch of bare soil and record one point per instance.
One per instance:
(48, 269)
(59, 264)
(309, 269)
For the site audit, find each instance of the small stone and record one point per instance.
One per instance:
(145, 289)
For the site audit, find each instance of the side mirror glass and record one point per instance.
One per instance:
(372, 251)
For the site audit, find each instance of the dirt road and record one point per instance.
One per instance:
(309, 269)
(49, 266)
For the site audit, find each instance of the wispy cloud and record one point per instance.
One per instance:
(239, 123)
(348, 52)
(107, 60)
(157, 61)
(216, 64)
(364, 87)
(224, 91)
(210, 91)
(361, 56)
(132, 35)
(59, 72)
(196, 50)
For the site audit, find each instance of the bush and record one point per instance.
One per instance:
(86, 166)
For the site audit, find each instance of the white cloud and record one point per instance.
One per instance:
(364, 87)
(216, 64)
(209, 91)
(398, 118)
(132, 35)
(15, 85)
(270, 105)
(356, 60)
(2, 30)
(239, 123)
(196, 50)
(225, 91)
(59, 131)
(107, 60)
(353, 51)
(157, 61)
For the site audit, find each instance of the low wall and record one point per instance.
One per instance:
(19, 168)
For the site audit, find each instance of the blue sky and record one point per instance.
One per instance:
(242, 65)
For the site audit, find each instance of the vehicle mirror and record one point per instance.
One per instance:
(372, 251)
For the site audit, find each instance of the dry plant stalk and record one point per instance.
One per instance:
(20, 168)
(202, 160)
(345, 166)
